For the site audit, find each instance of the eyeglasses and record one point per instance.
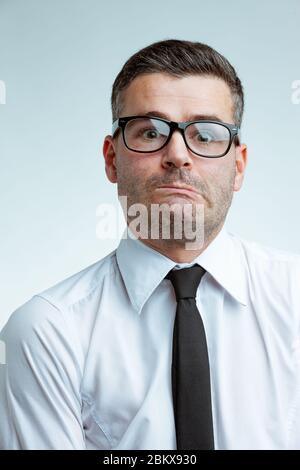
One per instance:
(146, 134)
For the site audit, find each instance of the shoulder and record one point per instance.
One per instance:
(272, 274)
(45, 317)
(265, 256)
(82, 284)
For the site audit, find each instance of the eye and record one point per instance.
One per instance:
(202, 137)
(205, 137)
(149, 133)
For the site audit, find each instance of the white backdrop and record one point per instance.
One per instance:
(58, 60)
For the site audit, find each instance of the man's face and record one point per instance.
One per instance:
(140, 176)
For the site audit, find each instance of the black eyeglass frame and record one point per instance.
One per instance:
(173, 125)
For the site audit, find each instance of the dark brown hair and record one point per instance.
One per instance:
(178, 58)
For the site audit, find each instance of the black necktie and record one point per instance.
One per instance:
(190, 365)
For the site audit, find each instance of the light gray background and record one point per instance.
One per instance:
(58, 59)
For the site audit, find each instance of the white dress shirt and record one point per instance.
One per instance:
(89, 359)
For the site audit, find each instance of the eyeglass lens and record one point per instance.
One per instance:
(148, 134)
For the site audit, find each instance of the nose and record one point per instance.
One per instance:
(176, 153)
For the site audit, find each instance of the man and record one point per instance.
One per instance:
(134, 352)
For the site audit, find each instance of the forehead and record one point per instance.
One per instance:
(178, 98)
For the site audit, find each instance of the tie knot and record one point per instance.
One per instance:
(185, 281)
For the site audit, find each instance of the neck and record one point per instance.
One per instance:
(175, 251)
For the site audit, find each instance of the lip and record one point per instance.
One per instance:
(179, 188)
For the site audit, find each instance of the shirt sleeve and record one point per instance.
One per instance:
(40, 402)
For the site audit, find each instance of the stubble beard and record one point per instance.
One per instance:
(214, 206)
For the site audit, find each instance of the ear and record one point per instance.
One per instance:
(109, 154)
(240, 162)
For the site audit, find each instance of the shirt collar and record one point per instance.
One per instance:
(143, 268)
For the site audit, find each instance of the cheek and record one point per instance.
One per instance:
(217, 177)
(132, 175)
(208, 171)
(140, 169)
(221, 169)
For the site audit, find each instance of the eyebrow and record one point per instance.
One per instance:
(191, 117)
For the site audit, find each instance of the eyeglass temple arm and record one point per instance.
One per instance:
(115, 126)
